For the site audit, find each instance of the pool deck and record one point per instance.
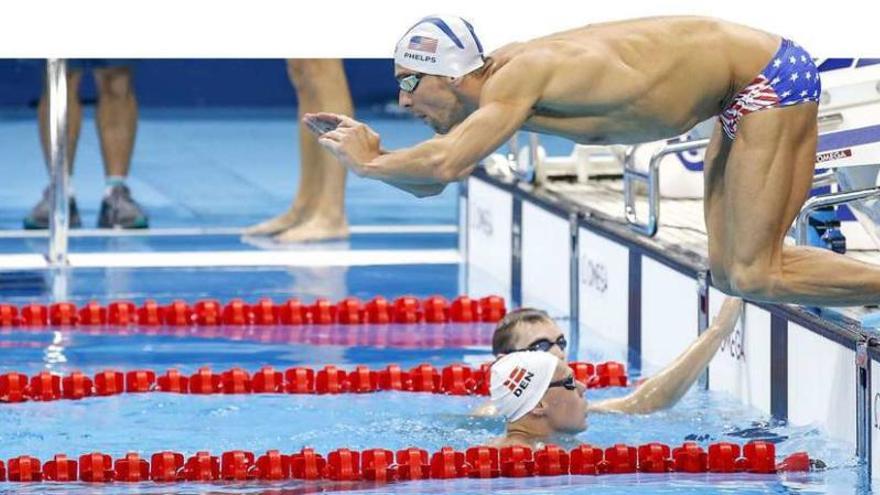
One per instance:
(682, 230)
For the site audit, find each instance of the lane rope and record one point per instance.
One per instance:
(455, 379)
(238, 312)
(383, 465)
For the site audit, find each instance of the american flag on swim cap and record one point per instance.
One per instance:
(440, 45)
(423, 44)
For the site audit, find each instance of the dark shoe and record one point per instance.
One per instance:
(118, 210)
(39, 215)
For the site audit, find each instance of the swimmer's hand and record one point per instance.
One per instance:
(321, 124)
(353, 143)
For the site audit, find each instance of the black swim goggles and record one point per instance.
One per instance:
(567, 382)
(409, 82)
(544, 345)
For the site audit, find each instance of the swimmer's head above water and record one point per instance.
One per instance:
(525, 329)
(435, 62)
(528, 329)
(538, 396)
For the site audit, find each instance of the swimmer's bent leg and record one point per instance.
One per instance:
(767, 178)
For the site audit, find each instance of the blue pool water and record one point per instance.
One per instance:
(206, 171)
(148, 423)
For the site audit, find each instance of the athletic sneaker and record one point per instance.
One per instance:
(39, 215)
(118, 210)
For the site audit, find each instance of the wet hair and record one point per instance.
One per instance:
(502, 339)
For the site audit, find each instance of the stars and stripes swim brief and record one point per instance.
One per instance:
(790, 78)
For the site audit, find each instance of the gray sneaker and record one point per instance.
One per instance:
(38, 218)
(119, 210)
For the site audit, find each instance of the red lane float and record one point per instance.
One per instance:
(410, 336)
(60, 468)
(237, 312)
(409, 464)
(455, 379)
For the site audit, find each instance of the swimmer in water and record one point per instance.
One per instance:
(529, 329)
(631, 82)
(542, 400)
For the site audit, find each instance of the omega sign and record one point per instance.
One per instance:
(483, 221)
(594, 274)
(833, 155)
(734, 345)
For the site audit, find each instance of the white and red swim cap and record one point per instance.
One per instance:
(440, 45)
(519, 381)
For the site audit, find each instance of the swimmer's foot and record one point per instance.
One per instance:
(281, 223)
(315, 229)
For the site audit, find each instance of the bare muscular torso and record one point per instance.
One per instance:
(657, 77)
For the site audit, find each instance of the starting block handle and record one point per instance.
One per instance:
(651, 178)
(831, 199)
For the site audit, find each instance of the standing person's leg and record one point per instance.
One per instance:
(117, 116)
(38, 218)
(767, 178)
(321, 83)
(318, 210)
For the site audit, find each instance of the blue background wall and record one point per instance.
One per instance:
(229, 82)
(205, 82)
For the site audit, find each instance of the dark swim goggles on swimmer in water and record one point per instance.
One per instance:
(567, 382)
(544, 345)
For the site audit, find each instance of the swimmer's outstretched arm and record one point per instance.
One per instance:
(668, 386)
(417, 190)
(506, 102)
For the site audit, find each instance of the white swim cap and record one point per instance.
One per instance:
(519, 381)
(440, 45)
